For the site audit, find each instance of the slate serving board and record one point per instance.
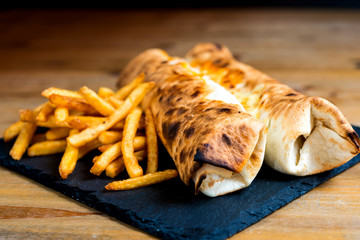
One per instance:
(170, 210)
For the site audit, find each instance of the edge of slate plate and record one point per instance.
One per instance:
(259, 211)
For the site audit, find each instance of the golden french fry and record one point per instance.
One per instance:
(115, 102)
(69, 159)
(62, 92)
(44, 112)
(151, 140)
(107, 137)
(92, 145)
(130, 103)
(123, 92)
(113, 152)
(104, 147)
(131, 123)
(22, 140)
(40, 137)
(72, 103)
(27, 115)
(51, 123)
(96, 101)
(105, 92)
(47, 148)
(142, 181)
(61, 114)
(117, 166)
(57, 133)
(12, 131)
(95, 159)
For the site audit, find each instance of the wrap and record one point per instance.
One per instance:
(306, 135)
(206, 131)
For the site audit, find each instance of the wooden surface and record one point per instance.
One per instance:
(316, 52)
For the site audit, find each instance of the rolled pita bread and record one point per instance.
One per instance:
(306, 135)
(206, 131)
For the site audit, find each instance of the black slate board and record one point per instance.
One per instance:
(169, 210)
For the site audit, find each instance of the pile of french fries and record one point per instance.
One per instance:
(79, 122)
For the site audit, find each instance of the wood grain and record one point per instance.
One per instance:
(317, 52)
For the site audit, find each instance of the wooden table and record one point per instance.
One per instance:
(315, 51)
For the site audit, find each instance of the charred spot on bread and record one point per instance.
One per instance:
(218, 46)
(189, 132)
(224, 110)
(226, 139)
(199, 182)
(354, 137)
(170, 130)
(291, 94)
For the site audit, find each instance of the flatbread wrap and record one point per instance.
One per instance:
(306, 135)
(206, 131)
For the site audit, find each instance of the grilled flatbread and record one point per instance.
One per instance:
(206, 131)
(306, 135)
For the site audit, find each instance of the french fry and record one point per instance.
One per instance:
(96, 101)
(47, 148)
(113, 152)
(130, 103)
(123, 92)
(115, 102)
(104, 147)
(51, 123)
(44, 112)
(62, 92)
(72, 103)
(12, 131)
(131, 123)
(105, 92)
(61, 114)
(142, 181)
(117, 166)
(151, 139)
(22, 140)
(110, 137)
(69, 159)
(57, 133)
(92, 145)
(27, 115)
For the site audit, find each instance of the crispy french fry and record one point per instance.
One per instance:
(72, 103)
(69, 159)
(142, 181)
(96, 101)
(131, 123)
(27, 115)
(47, 148)
(61, 114)
(22, 140)
(130, 103)
(45, 112)
(117, 166)
(92, 145)
(110, 137)
(57, 133)
(95, 159)
(105, 92)
(115, 102)
(113, 152)
(62, 92)
(50, 123)
(40, 137)
(104, 147)
(151, 139)
(12, 131)
(123, 92)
